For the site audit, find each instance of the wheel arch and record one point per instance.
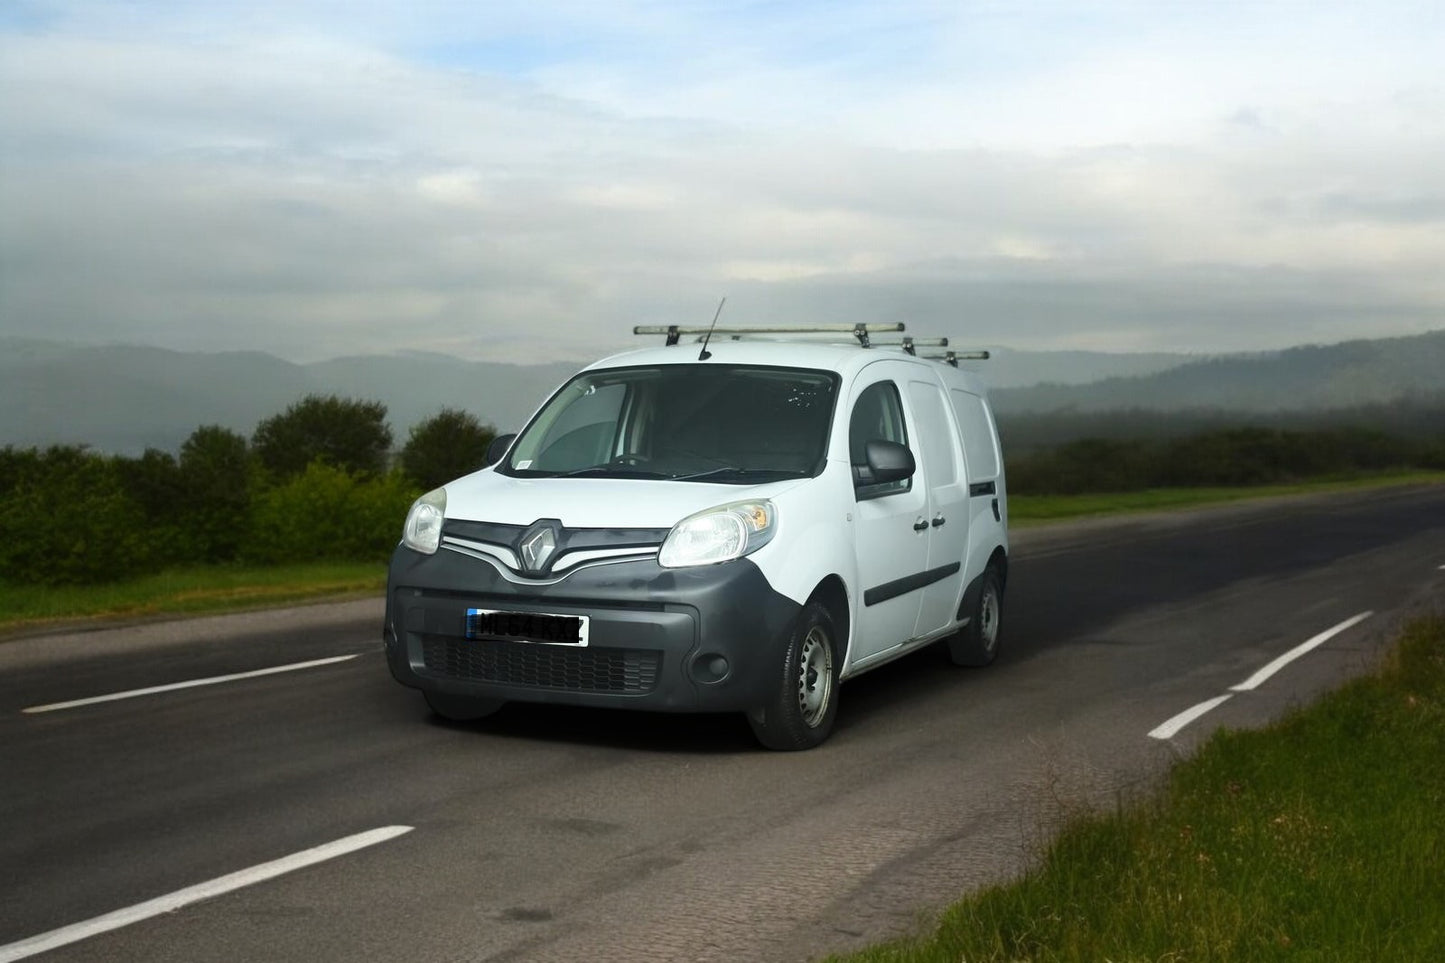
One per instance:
(833, 595)
(999, 561)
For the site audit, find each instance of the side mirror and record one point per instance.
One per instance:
(498, 448)
(888, 461)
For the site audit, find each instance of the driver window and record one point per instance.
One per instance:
(582, 434)
(878, 414)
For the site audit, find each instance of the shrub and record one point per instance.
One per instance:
(329, 513)
(351, 435)
(218, 478)
(448, 445)
(67, 519)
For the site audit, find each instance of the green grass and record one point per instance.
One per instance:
(1320, 838)
(1033, 509)
(193, 590)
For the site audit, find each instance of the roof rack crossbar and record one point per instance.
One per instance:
(910, 345)
(859, 331)
(954, 357)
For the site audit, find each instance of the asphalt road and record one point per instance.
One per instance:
(548, 834)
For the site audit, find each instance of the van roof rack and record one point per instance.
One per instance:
(859, 331)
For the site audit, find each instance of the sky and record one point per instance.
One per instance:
(524, 181)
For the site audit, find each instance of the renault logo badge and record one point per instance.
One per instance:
(537, 548)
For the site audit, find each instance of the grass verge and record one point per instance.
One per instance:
(1033, 509)
(192, 590)
(1319, 838)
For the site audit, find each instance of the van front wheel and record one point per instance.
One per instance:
(801, 710)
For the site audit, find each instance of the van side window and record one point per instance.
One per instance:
(878, 413)
(979, 451)
(935, 433)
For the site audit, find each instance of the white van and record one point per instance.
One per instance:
(737, 528)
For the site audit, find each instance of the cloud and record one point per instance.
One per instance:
(512, 181)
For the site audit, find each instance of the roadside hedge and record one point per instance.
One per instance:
(328, 514)
(69, 516)
(68, 519)
(1227, 457)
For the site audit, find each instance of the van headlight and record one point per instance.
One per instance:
(719, 534)
(423, 529)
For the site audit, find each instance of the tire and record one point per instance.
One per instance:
(458, 708)
(976, 644)
(800, 713)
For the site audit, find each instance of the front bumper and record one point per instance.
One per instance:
(702, 639)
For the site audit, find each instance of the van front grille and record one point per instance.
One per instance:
(541, 666)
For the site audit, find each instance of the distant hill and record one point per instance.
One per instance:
(125, 398)
(1317, 377)
(1007, 368)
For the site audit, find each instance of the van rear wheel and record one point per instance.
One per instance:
(804, 703)
(976, 643)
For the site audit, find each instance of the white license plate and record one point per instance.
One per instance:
(527, 627)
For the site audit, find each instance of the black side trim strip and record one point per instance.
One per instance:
(910, 583)
(982, 488)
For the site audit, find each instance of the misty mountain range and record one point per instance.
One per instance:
(1311, 378)
(126, 398)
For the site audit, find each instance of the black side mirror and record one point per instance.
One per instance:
(498, 448)
(888, 461)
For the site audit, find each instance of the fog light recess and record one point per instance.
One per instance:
(710, 667)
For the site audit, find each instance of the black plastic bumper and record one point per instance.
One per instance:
(702, 639)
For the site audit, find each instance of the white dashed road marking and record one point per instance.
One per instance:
(1170, 728)
(193, 894)
(1254, 681)
(1167, 730)
(132, 693)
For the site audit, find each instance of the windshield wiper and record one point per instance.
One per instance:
(612, 471)
(739, 474)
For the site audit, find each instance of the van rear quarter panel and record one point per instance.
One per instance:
(983, 458)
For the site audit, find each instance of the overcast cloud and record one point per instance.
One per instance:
(526, 180)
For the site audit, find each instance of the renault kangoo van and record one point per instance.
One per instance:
(738, 527)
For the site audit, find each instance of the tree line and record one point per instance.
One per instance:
(1220, 457)
(321, 481)
(316, 482)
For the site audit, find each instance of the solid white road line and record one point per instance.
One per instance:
(193, 894)
(1254, 681)
(131, 694)
(1168, 729)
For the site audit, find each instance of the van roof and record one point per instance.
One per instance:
(845, 359)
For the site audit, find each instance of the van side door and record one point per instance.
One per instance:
(944, 474)
(890, 520)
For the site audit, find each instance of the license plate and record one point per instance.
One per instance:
(527, 627)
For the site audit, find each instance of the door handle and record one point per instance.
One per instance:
(920, 524)
(938, 520)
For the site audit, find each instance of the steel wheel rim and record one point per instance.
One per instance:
(988, 618)
(815, 677)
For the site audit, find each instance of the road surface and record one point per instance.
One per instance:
(320, 813)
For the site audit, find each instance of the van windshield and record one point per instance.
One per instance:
(696, 422)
